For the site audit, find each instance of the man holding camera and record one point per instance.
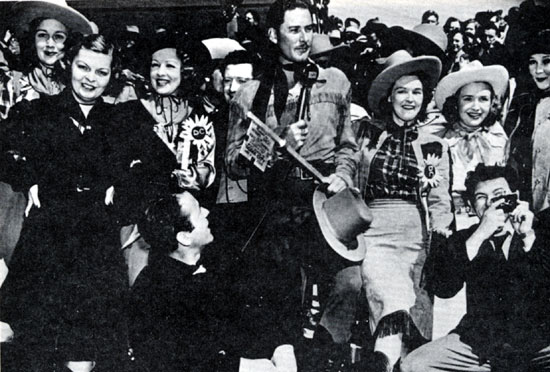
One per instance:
(504, 263)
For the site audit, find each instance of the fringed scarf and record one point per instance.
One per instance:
(169, 113)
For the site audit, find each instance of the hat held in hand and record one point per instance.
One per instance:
(343, 218)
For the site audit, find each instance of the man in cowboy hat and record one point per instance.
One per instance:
(289, 236)
(504, 262)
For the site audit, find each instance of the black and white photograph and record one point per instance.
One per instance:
(274, 186)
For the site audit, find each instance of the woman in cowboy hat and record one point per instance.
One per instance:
(67, 274)
(166, 138)
(470, 101)
(528, 125)
(404, 178)
(43, 29)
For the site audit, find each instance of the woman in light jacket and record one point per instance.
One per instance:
(404, 177)
(470, 101)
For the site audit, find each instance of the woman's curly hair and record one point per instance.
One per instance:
(97, 43)
(450, 109)
(386, 108)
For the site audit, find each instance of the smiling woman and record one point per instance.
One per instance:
(43, 30)
(470, 101)
(69, 239)
(404, 178)
(167, 137)
(529, 125)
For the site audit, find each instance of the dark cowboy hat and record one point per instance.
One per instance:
(24, 12)
(538, 43)
(399, 64)
(343, 218)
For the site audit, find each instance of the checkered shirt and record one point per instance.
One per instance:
(394, 169)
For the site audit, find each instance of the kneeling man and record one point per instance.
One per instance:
(504, 263)
(182, 315)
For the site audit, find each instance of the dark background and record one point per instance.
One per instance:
(110, 15)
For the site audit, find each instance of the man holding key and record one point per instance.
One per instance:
(309, 107)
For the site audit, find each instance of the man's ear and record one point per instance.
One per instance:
(184, 238)
(272, 35)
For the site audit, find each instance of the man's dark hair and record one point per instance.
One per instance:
(349, 21)
(484, 173)
(255, 15)
(162, 222)
(276, 13)
(427, 14)
(491, 26)
(238, 57)
(447, 25)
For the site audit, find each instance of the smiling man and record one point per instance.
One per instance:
(288, 238)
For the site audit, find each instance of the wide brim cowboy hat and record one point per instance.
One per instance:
(343, 218)
(220, 47)
(474, 72)
(25, 11)
(399, 64)
(321, 46)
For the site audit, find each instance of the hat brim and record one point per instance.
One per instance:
(495, 75)
(430, 66)
(423, 45)
(354, 255)
(330, 51)
(219, 48)
(24, 12)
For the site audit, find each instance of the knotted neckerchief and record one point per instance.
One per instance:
(43, 82)
(274, 78)
(541, 94)
(169, 112)
(474, 142)
(398, 131)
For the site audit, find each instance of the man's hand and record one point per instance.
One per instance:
(493, 220)
(298, 131)
(110, 195)
(284, 359)
(335, 184)
(522, 218)
(256, 365)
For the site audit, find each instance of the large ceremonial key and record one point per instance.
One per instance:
(282, 143)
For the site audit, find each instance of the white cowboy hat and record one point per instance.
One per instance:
(25, 11)
(219, 47)
(399, 64)
(496, 76)
(321, 45)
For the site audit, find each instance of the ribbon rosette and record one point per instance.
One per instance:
(430, 178)
(199, 131)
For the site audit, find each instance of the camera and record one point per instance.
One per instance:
(509, 204)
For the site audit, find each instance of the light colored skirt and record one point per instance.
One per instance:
(393, 264)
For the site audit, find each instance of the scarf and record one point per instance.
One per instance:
(169, 112)
(472, 143)
(43, 82)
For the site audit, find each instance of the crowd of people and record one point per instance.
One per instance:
(288, 194)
